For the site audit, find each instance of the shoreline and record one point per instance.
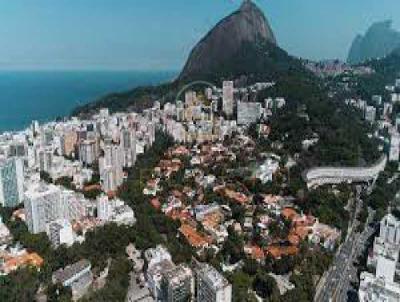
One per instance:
(47, 95)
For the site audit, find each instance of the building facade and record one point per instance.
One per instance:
(42, 205)
(11, 182)
(177, 284)
(228, 97)
(211, 286)
(60, 232)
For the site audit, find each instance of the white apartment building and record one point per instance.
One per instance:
(111, 168)
(177, 284)
(74, 205)
(394, 151)
(156, 255)
(387, 109)
(228, 97)
(45, 157)
(388, 240)
(114, 210)
(88, 152)
(60, 232)
(103, 208)
(390, 229)
(42, 205)
(211, 285)
(128, 144)
(248, 113)
(381, 286)
(370, 114)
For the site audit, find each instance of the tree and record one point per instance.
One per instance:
(20, 285)
(250, 266)
(117, 284)
(265, 286)
(58, 293)
(241, 283)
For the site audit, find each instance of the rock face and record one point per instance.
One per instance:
(379, 41)
(248, 25)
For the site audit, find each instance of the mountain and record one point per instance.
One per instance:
(241, 46)
(386, 71)
(379, 41)
(246, 26)
(354, 55)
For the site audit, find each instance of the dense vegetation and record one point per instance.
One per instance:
(254, 277)
(137, 99)
(385, 190)
(386, 71)
(254, 62)
(341, 131)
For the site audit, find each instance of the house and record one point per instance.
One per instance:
(289, 214)
(195, 238)
(277, 252)
(254, 252)
(14, 261)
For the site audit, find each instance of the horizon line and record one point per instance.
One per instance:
(86, 70)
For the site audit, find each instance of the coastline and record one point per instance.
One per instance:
(48, 95)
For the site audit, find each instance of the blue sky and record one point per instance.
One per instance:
(158, 34)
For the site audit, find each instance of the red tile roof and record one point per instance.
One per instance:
(194, 238)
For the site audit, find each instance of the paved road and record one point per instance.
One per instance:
(336, 282)
(350, 275)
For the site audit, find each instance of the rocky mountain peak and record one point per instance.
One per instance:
(247, 25)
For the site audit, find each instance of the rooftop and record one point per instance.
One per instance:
(212, 276)
(177, 274)
(194, 238)
(70, 271)
(14, 263)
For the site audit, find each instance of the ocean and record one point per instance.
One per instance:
(46, 95)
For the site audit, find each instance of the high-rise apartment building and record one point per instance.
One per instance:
(177, 284)
(390, 229)
(88, 152)
(370, 114)
(111, 168)
(19, 149)
(380, 286)
(211, 286)
(60, 232)
(228, 98)
(128, 144)
(45, 159)
(103, 208)
(383, 285)
(74, 206)
(394, 151)
(190, 97)
(68, 142)
(248, 113)
(42, 205)
(11, 182)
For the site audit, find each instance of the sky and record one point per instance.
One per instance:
(159, 34)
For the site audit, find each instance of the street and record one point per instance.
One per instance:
(336, 282)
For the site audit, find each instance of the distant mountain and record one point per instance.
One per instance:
(379, 41)
(246, 26)
(386, 71)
